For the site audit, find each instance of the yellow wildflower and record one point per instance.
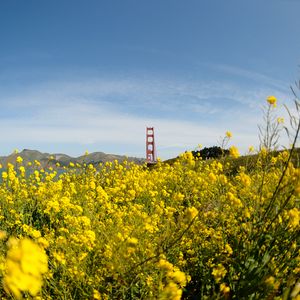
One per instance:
(228, 134)
(270, 281)
(190, 213)
(280, 120)
(251, 149)
(228, 249)
(272, 100)
(219, 272)
(294, 217)
(178, 276)
(234, 152)
(25, 265)
(19, 159)
(132, 241)
(37, 163)
(165, 265)
(224, 288)
(22, 169)
(2, 235)
(171, 291)
(96, 295)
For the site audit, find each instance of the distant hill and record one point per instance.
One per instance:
(247, 161)
(64, 160)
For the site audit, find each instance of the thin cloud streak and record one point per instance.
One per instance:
(99, 111)
(258, 77)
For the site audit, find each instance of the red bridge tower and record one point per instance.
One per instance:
(150, 145)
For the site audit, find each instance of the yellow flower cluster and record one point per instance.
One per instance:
(176, 230)
(26, 263)
(219, 272)
(234, 152)
(228, 134)
(272, 100)
(175, 281)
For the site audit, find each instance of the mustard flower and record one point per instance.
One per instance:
(272, 100)
(219, 272)
(178, 276)
(228, 134)
(96, 295)
(37, 163)
(191, 213)
(171, 291)
(25, 265)
(280, 120)
(234, 152)
(19, 159)
(224, 288)
(294, 217)
(3, 235)
(132, 241)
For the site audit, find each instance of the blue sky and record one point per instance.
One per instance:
(77, 75)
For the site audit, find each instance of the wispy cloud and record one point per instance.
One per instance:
(98, 112)
(262, 79)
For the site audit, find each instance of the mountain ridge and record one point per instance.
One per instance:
(51, 159)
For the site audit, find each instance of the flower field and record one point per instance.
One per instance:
(193, 229)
